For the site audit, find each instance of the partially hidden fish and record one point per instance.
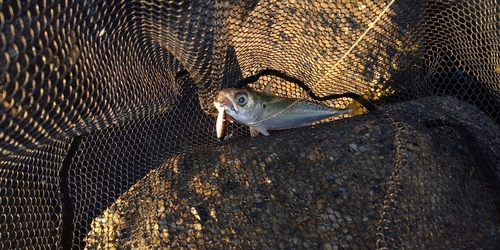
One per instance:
(263, 111)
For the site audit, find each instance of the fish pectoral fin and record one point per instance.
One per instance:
(254, 131)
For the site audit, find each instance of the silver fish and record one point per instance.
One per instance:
(263, 111)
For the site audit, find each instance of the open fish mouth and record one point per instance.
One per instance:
(223, 102)
(230, 118)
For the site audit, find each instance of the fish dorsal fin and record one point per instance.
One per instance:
(268, 88)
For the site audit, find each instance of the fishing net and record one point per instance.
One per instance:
(108, 129)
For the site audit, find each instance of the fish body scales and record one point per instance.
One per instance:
(290, 113)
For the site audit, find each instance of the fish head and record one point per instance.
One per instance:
(240, 105)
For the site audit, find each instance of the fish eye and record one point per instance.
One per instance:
(241, 98)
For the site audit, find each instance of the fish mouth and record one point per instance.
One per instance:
(230, 118)
(223, 103)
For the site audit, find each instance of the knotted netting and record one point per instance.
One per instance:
(108, 129)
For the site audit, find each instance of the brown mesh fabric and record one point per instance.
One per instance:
(107, 125)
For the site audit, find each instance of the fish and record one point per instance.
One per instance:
(263, 111)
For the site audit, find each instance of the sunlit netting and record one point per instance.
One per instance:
(108, 139)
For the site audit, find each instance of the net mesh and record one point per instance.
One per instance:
(108, 129)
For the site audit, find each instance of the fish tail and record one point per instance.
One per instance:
(351, 108)
(358, 106)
